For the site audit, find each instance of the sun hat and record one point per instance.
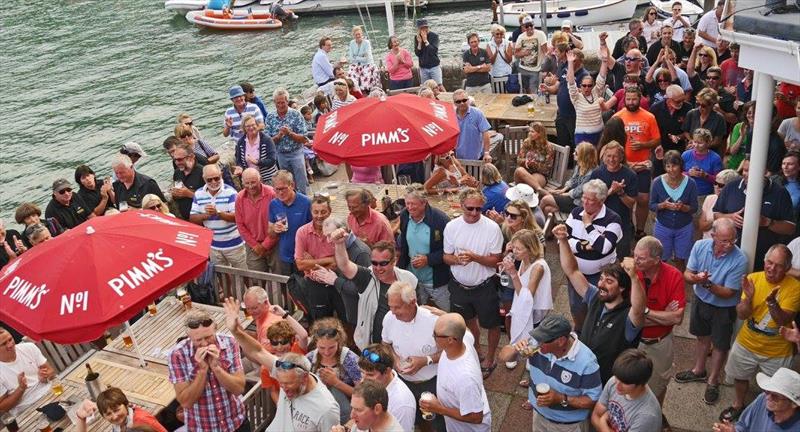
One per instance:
(422, 23)
(132, 147)
(527, 20)
(785, 382)
(566, 24)
(235, 91)
(523, 192)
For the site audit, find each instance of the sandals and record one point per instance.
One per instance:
(525, 383)
(487, 370)
(527, 405)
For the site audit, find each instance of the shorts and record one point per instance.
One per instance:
(662, 355)
(591, 137)
(677, 241)
(417, 388)
(481, 301)
(506, 294)
(439, 295)
(743, 364)
(565, 203)
(644, 180)
(714, 321)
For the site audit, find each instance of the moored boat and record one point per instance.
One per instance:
(689, 10)
(580, 12)
(233, 21)
(184, 6)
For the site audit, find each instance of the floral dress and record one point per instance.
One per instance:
(540, 160)
(362, 68)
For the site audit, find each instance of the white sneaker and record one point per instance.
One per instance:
(511, 365)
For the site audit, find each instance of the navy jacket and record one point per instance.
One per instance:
(436, 220)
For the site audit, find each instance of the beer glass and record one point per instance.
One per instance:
(427, 396)
(152, 309)
(56, 386)
(127, 340)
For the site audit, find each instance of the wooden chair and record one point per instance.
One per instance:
(258, 407)
(61, 357)
(472, 167)
(410, 90)
(233, 282)
(499, 84)
(559, 174)
(513, 136)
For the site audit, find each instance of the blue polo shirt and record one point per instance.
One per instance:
(418, 236)
(756, 418)
(470, 138)
(495, 197)
(726, 270)
(575, 374)
(297, 215)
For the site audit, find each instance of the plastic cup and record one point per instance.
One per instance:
(427, 396)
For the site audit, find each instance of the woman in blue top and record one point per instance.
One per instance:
(362, 66)
(700, 163)
(673, 197)
(494, 189)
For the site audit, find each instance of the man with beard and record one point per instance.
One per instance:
(96, 199)
(616, 305)
(715, 268)
(66, 207)
(643, 135)
(190, 174)
(622, 189)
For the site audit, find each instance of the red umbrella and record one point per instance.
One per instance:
(99, 274)
(399, 129)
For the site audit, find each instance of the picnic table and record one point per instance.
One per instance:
(498, 109)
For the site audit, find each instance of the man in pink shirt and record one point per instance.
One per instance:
(252, 220)
(367, 224)
(312, 249)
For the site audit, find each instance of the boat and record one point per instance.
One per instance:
(580, 12)
(238, 20)
(323, 7)
(184, 6)
(690, 10)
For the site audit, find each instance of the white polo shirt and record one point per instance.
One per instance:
(482, 237)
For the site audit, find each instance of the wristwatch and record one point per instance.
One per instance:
(565, 402)
(285, 314)
(428, 360)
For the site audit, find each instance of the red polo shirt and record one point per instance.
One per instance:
(374, 228)
(308, 240)
(252, 217)
(666, 287)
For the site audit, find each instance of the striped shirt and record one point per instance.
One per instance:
(594, 245)
(589, 115)
(236, 128)
(226, 234)
(575, 374)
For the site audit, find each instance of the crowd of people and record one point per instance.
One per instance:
(393, 307)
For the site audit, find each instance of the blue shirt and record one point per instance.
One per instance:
(756, 418)
(418, 236)
(670, 218)
(726, 270)
(495, 197)
(793, 187)
(711, 164)
(297, 215)
(321, 69)
(613, 201)
(295, 121)
(470, 138)
(260, 104)
(575, 374)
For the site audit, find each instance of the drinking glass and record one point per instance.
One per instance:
(178, 184)
(56, 386)
(10, 422)
(152, 309)
(127, 340)
(427, 396)
(123, 206)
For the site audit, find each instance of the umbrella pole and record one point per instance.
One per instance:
(396, 181)
(142, 362)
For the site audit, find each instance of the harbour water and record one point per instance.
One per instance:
(80, 78)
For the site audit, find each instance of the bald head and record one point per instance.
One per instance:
(251, 174)
(451, 325)
(211, 170)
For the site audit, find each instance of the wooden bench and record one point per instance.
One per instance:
(61, 357)
(233, 282)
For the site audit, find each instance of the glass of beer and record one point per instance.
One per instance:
(152, 309)
(44, 426)
(10, 423)
(531, 109)
(56, 386)
(246, 312)
(185, 298)
(127, 340)
(542, 389)
(530, 349)
(427, 396)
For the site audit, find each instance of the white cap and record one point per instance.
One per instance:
(527, 20)
(523, 192)
(566, 24)
(785, 382)
(132, 147)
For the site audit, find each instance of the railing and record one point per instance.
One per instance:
(258, 407)
(233, 282)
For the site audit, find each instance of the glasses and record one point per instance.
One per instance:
(719, 185)
(285, 365)
(527, 25)
(373, 357)
(156, 207)
(632, 59)
(702, 55)
(380, 263)
(213, 179)
(438, 336)
(512, 216)
(64, 191)
(587, 85)
(193, 324)
(473, 209)
(460, 101)
(327, 332)
(652, 13)
(713, 77)
(276, 342)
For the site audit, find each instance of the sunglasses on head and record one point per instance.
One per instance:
(327, 332)
(276, 342)
(380, 263)
(63, 191)
(193, 324)
(373, 357)
(285, 365)
(460, 101)
(341, 84)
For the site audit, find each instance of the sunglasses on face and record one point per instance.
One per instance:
(327, 332)
(213, 179)
(285, 365)
(512, 216)
(189, 123)
(632, 59)
(460, 101)
(473, 209)
(197, 323)
(587, 85)
(721, 185)
(380, 263)
(712, 77)
(156, 207)
(438, 336)
(276, 342)
(64, 191)
(702, 55)
(652, 13)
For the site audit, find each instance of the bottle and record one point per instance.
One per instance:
(547, 97)
(91, 375)
(93, 385)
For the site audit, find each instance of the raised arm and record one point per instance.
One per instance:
(249, 345)
(347, 267)
(690, 63)
(568, 262)
(638, 296)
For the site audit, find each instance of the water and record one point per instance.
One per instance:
(80, 78)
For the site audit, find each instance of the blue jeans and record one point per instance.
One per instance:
(434, 73)
(400, 84)
(294, 162)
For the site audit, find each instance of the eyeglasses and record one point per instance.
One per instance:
(193, 324)
(712, 77)
(473, 209)
(373, 357)
(460, 101)
(327, 332)
(285, 365)
(156, 207)
(721, 185)
(632, 59)
(652, 13)
(64, 191)
(587, 85)
(702, 55)
(380, 263)
(213, 179)
(438, 336)
(276, 342)
(512, 216)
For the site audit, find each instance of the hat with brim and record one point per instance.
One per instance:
(566, 24)
(527, 20)
(132, 148)
(524, 193)
(61, 184)
(785, 382)
(551, 328)
(235, 92)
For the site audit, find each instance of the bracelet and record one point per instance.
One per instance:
(285, 314)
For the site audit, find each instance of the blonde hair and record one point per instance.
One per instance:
(530, 242)
(586, 157)
(710, 52)
(148, 199)
(528, 221)
(355, 29)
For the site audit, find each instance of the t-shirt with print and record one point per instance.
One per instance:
(533, 61)
(640, 127)
(759, 333)
(631, 415)
(314, 411)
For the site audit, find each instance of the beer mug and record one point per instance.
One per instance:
(542, 389)
(152, 309)
(427, 396)
(56, 386)
(127, 340)
(531, 349)
(531, 109)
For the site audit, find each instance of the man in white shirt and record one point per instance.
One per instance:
(472, 247)
(377, 364)
(678, 22)
(708, 27)
(460, 396)
(24, 373)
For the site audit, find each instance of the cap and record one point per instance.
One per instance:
(785, 382)
(566, 24)
(551, 328)
(527, 20)
(422, 23)
(235, 91)
(131, 147)
(523, 192)
(61, 184)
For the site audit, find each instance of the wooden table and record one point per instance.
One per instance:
(498, 109)
(446, 203)
(157, 334)
(149, 388)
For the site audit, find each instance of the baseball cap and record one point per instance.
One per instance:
(551, 328)
(131, 147)
(61, 184)
(566, 24)
(785, 382)
(527, 20)
(422, 23)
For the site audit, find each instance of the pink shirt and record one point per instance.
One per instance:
(366, 175)
(308, 240)
(374, 228)
(251, 150)
(396, 70)
(252, 217)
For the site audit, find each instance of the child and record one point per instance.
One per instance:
(282, 339)
(308, 116)
(113, 405)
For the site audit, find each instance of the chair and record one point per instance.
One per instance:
(499, 84)
(258, 407)
(472, 167)
(559, 174)
(513, 136)
(61, 357)
(410, 90)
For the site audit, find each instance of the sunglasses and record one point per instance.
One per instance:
(632, 59)
(587, 85)
(460, 101)
(190, 123)
(702, 55)
(473, 209)
(64, 191)
(652, 13)
(512, 216)
(380, 263)
(438, 336)
(713, 77)
(285, 365)
(719, 185)
(193, 324)
(327, 332)
(213, 179)
(156, 207)
(276, 342)
(371, 356)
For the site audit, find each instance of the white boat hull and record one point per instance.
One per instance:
(690, 11)
(580, 12)
(239, 21)
(184, 6)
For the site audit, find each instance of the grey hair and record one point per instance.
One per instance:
(335, 222)
(280, 91)
(35, 231)
(674, 90)
(260, 293)
(723, 224)
(787, 254)
(362, 195)
(211, 168)
(284, 176)
(405, 290)
(652, 245)
(377, 93)
(416, 191)
(195, 315)
(120, 159)
(426, 93)
(299, 360)
(596, 187)
(726, 176)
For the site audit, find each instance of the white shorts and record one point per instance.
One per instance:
(742, 364)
